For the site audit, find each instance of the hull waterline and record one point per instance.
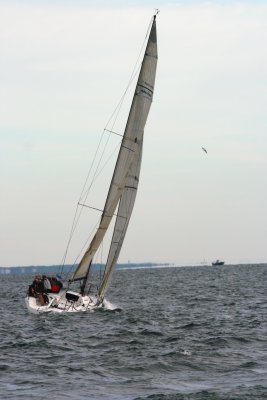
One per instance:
(63, 302)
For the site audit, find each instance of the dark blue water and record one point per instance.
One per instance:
(182, 333)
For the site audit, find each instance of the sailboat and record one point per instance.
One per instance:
(119, 204)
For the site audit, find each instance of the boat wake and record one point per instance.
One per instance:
(108, 306)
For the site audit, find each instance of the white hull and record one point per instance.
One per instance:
(59, 303)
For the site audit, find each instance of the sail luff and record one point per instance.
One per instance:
(129, 150)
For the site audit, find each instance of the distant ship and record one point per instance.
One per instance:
(218, 262)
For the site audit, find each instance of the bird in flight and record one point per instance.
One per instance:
(203, 148)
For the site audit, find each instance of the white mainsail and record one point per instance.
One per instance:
(125, 178)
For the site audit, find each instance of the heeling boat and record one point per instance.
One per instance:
(120, 199)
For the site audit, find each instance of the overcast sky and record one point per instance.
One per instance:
(63, 67)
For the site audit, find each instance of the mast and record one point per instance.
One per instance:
(122, 190)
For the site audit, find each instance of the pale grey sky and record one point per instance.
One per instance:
(63, 67)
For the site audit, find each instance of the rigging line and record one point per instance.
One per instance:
(77, 215)
(93, 208)
(132, 76)
(83, 247)
(103, 211)
(115, 133)
(119, 105)
(96, 173)
(92, 164)
(86, 242)
(123, 136)
(104, 165)
(73, 228)
(75, 218)
(93, 272)
(69, 240)
(117, 109)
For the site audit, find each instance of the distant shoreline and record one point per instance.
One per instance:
(55, 269)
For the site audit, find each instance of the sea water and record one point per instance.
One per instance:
(171, 334)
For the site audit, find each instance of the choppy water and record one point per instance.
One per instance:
(182, 333)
